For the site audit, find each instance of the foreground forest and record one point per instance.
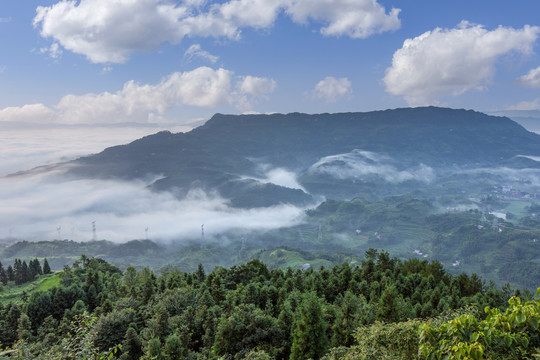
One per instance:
(384, 308)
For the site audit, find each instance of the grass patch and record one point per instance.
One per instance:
(518, 208)
(16, 293)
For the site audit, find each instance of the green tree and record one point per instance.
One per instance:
(247, 328)
(309, 335)
(3, 275)
(46, 267)
(131, 346)
(173, 348)
(110, 329)
(153, 350)
(513, 334)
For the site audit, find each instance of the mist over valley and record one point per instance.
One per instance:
(325, 187)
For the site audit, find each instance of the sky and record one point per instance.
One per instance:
(79, 76)
(95, 73)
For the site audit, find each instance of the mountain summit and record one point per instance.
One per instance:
(261, 160)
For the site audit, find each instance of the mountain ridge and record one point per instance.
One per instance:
(229, 152)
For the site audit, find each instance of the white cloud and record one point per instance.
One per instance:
(4, 20)
(34, 205)
(360, 164)
(526, 105)
(27, 114)
(256, 86)
(452, 61)
(25, 147)
(250, 88)
(330, 89)
(353, 18)
(531, 79)
(278, 176)
(53, 51)
(109, 31)
(195, 50)
(142, 103)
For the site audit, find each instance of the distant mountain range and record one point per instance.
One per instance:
(261, 160)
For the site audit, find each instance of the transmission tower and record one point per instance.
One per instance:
(94, 236)
(203, 245)
(58, 229)
(146, 233)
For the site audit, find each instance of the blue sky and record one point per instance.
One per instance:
(145, 65)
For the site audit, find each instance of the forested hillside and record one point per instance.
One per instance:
(251, 312)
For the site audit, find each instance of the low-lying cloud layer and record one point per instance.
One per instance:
(109, 31)
(37, 206)
(27, 146)
(359, 164)
(278, 176)
(510, 174)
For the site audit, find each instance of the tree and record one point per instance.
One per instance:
(39, 306)
(173, 347)
(111, 328)
(513, 334)
(309, 335)
(10, 273)
(247, 328)
(131, 347)
(153, 350)
(46, 267)
(3, 275)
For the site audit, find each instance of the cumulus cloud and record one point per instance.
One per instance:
(356, 19)
(526, 105)
(452, 61)
(111, 30)
(330, 89)
(531, 79)
(34, 206)
(143, 103)
(250, 88)
(365, 164)
(195, 50)
(27, 113)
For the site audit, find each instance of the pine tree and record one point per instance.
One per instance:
(173, 347)
(3, 275)
(131, 347)
(25, 273)
(17, 272)
(309, 333)
(10, 273)
(46, 267)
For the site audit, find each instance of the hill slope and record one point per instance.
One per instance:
(236, 154)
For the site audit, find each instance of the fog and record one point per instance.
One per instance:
(510, 174)
(358, 164)
(277, 176)
(46, 206)
(28, 146)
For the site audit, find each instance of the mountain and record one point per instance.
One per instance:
(342, 155)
